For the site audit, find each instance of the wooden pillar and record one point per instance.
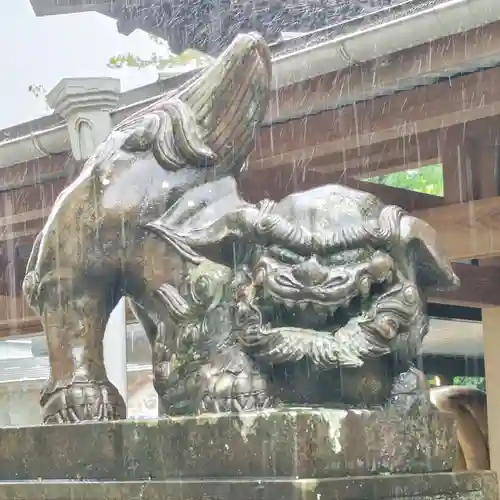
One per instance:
(487, 166)
(486, 159)
(470, 171)
(491, 339)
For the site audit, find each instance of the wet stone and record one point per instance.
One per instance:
(447, 486)
(302, 443)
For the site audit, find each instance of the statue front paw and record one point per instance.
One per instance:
(410, 392)
(83, 401)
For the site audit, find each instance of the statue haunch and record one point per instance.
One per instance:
(94, 248)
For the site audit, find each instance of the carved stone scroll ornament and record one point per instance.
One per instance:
(324, 299)
(94, 249)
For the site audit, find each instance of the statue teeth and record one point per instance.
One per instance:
(289, 304)
(332, 310)
(302, 306)
(318, 308)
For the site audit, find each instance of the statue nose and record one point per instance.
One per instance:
(310, 272)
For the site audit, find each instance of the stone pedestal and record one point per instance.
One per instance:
(303, 454)
(464, 486)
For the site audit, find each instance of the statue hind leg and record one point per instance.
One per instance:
(78, 388)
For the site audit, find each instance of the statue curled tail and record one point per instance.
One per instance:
(468, 406)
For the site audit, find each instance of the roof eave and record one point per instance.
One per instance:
(438, 21)
(366, 44)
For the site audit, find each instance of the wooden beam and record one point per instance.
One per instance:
(277, 183)
(379, 159)
(467, 230)
(29, 199)
(453, 366)
(17, 318)
(37, 171)
(18, 218)
(362, 159)
(34, 180)
(15, 235)
(28, 225)
(486, 156)
(389, 74)
(385, 118)
(479, 287)
(404, 198)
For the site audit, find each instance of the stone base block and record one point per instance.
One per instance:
(304, 443)
(464, 486)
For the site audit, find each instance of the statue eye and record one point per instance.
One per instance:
(203, 287)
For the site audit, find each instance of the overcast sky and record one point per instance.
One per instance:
(42, 50)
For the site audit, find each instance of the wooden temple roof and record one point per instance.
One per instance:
(210, 25)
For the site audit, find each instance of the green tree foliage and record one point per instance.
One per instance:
(39, 92)
(427, 179)
(477, 382)
(163, 59)
(189, 57)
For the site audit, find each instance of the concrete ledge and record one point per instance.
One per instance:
(297, 444)
(464, 486)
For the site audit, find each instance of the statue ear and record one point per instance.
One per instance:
(423, 252)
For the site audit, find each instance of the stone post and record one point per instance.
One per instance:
(86, 105)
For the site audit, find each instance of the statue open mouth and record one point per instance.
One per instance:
(312, 292)
(317, 315)
(304, 310)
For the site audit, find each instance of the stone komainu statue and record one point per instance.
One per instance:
(318, 299)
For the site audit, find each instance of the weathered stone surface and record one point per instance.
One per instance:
(464, 486)
(299, 444)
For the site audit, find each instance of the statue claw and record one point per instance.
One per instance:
(78, 402)
(410, 392)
